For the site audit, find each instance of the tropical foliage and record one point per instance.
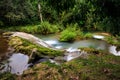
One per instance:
(100, 15)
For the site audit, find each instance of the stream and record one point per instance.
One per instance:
(94, 43)
(72, 48)
(18, 62)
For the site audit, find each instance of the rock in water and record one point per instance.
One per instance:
(32, 39)
(98, 36)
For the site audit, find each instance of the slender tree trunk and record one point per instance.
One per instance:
(39, 11)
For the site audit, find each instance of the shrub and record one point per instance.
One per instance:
(112, 40)
(73, 32)
(69, 34)
(47, 28)
(43, 28)
(80, 34)
(88, 35)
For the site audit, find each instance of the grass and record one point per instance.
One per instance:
(88, 35)
(94, 67)
(91, 50)
(112, 40)
(7, 76)
(42, 28)
(109, 38)
(68, 35)
(98, 65)
(73, 32)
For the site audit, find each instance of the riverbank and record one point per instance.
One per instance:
(96, 64)
(93, 67)
(69, 34)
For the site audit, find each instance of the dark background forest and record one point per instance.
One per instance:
(90, 15)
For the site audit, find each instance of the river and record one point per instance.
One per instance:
(71, 49)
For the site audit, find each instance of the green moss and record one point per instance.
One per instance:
(91, 50)
(95, 67)
(26, 47)
(98, 67)
(7, 76)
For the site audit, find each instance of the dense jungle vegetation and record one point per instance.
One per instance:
(90, 15)
(70, 20)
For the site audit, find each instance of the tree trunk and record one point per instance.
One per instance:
(39, 12)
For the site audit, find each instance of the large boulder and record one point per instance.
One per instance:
(31, 38)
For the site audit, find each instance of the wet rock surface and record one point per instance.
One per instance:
(32, 39)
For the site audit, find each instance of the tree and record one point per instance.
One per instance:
(39, 11)
(14, 12)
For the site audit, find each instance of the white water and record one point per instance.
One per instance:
(83, 43)
(72, 47)
(72, 53)
(112, 49)
(19, 62)
(53, 43)
(98, 37)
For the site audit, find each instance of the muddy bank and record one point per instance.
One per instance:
(5, 49)
(3, 45)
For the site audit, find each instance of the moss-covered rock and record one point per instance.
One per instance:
(98, 65)
(93, 51)
(26, 47)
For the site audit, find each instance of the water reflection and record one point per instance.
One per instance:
(17, 63)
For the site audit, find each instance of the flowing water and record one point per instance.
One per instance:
(72, 48)
(17, 63)
(112, 49)
(53, 40)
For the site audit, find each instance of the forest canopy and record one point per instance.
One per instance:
(91, 15)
